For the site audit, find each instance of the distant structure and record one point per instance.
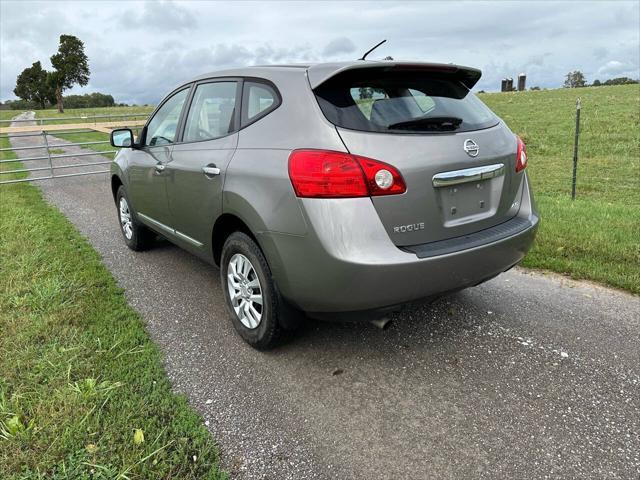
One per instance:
(522, 82)
(509, 84)
(506, 85)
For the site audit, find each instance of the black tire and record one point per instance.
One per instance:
(141, 237)
(268, 330)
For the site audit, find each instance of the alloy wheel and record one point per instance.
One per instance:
(245, 291)
(125, 218)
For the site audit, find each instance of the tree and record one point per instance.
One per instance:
(34, 85)
(575, 80)
(71, 67)
(596, 83)
(365, 92)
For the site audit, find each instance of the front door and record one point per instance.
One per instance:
(195, 175)
(147, 170)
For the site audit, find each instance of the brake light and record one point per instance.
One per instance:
(521, 156)
(328, 174)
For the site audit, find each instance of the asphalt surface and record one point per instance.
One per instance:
(526, 376)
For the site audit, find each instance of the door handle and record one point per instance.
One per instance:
(160, 168)
(211, 170)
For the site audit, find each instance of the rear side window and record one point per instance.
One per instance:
(258, 99)
(372, 100)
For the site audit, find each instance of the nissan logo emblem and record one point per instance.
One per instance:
(471, 148)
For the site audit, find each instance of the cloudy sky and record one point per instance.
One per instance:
(139, 50)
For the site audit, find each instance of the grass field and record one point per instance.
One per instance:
(597, 236)
(83, 394)
(81, 112)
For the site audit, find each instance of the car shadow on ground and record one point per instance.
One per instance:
(417, 326)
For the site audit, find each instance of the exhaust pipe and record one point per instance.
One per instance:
(382, 323)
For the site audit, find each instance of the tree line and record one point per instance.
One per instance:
(88, 100)
(71, 67)
(576, 79)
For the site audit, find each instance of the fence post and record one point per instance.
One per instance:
(575, 151)
(46, 145)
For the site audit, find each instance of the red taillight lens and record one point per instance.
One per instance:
(521, 156)
(328, 174)
(322, 174)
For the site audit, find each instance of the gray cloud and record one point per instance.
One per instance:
(339, 46)
(165, 16)
(600, 52)
(139, 50)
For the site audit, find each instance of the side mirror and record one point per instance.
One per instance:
(122, 138)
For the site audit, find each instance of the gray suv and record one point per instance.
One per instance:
(341, 190)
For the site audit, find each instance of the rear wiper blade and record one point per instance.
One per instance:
(428, 123)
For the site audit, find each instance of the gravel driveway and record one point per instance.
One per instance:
(526, 376)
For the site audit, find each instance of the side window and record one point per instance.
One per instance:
(258, 99)
(163, 127)
(424, 101)
(212, 111)
(365, 96)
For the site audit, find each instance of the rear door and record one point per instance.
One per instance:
(195, 175)
(456, 157)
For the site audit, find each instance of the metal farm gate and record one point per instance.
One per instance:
(47, 162)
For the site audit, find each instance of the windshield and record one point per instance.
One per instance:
(401, 102)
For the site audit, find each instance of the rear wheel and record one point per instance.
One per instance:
(251, 297)
(136, 235)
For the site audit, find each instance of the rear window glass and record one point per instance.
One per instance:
(401, 102)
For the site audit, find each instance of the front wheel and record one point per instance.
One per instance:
(136, 235)
(251, 297)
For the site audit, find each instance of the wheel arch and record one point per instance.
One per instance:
(116, 183)
(225, 225)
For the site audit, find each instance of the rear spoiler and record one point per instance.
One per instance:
(318, 74)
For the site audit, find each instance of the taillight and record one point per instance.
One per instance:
(521, 156)
(328, 174)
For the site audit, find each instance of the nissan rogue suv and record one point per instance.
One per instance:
(341, 190)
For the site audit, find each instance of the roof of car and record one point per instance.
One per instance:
(318, 73)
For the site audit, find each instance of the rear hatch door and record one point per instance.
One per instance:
(456, 157)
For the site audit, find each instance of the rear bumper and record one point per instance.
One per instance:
(347, 262)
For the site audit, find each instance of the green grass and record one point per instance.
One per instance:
(8, 115)
(7, 155)
(92, 137)
(79, 376)
(597, 236)
(89, 137)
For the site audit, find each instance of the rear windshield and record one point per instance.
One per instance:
(390, 101)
